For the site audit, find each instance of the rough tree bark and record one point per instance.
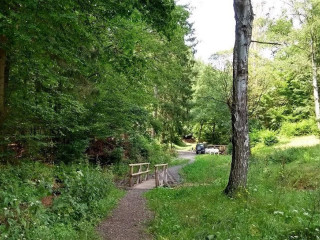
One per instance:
(315, 82)
(240, 130)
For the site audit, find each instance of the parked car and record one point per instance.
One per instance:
(200, 148)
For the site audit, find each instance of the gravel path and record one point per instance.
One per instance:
(128, 220)
(174, 171)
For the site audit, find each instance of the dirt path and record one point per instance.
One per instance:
(174, 171)
(128, 220)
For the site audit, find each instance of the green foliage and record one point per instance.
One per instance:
(281, 86)
(269, 137)
(210, 114)
(142, 149)
(282, 202)
(54, 202)
(85, 70)
(229, 148)
(301, 128)
(255, 138)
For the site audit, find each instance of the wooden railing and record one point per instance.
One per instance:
(141, 175)
(161, 174)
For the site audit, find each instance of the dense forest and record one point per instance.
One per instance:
(82, 78)
(77, 77)
(87, 87)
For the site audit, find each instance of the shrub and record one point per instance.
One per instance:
(158, 153)
(255, 138)
(304, 127)
(39, 201)
(269, 137)
(144, 149)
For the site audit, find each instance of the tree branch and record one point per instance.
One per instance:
(269, 43)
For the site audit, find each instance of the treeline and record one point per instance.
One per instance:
(76, 74)
(283, 79)
(211, 119)
(284, 94)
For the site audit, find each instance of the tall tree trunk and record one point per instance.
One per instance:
(315, 82)
(240, 130)
(2, 80)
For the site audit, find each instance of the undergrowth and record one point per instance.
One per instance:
(282, 199)
(39, 201)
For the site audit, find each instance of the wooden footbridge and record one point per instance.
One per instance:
(140, 176)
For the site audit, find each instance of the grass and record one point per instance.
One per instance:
(282, 200)
(303, 141)
(39, 201)
(286, 142)
(178, 161)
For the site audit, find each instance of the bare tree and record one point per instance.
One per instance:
(240, 130)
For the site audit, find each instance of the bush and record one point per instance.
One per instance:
(255, 138)
(144, 149)
(269, 137)
(40, 201)
(304, 127)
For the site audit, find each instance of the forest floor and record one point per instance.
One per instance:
(129, 219)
